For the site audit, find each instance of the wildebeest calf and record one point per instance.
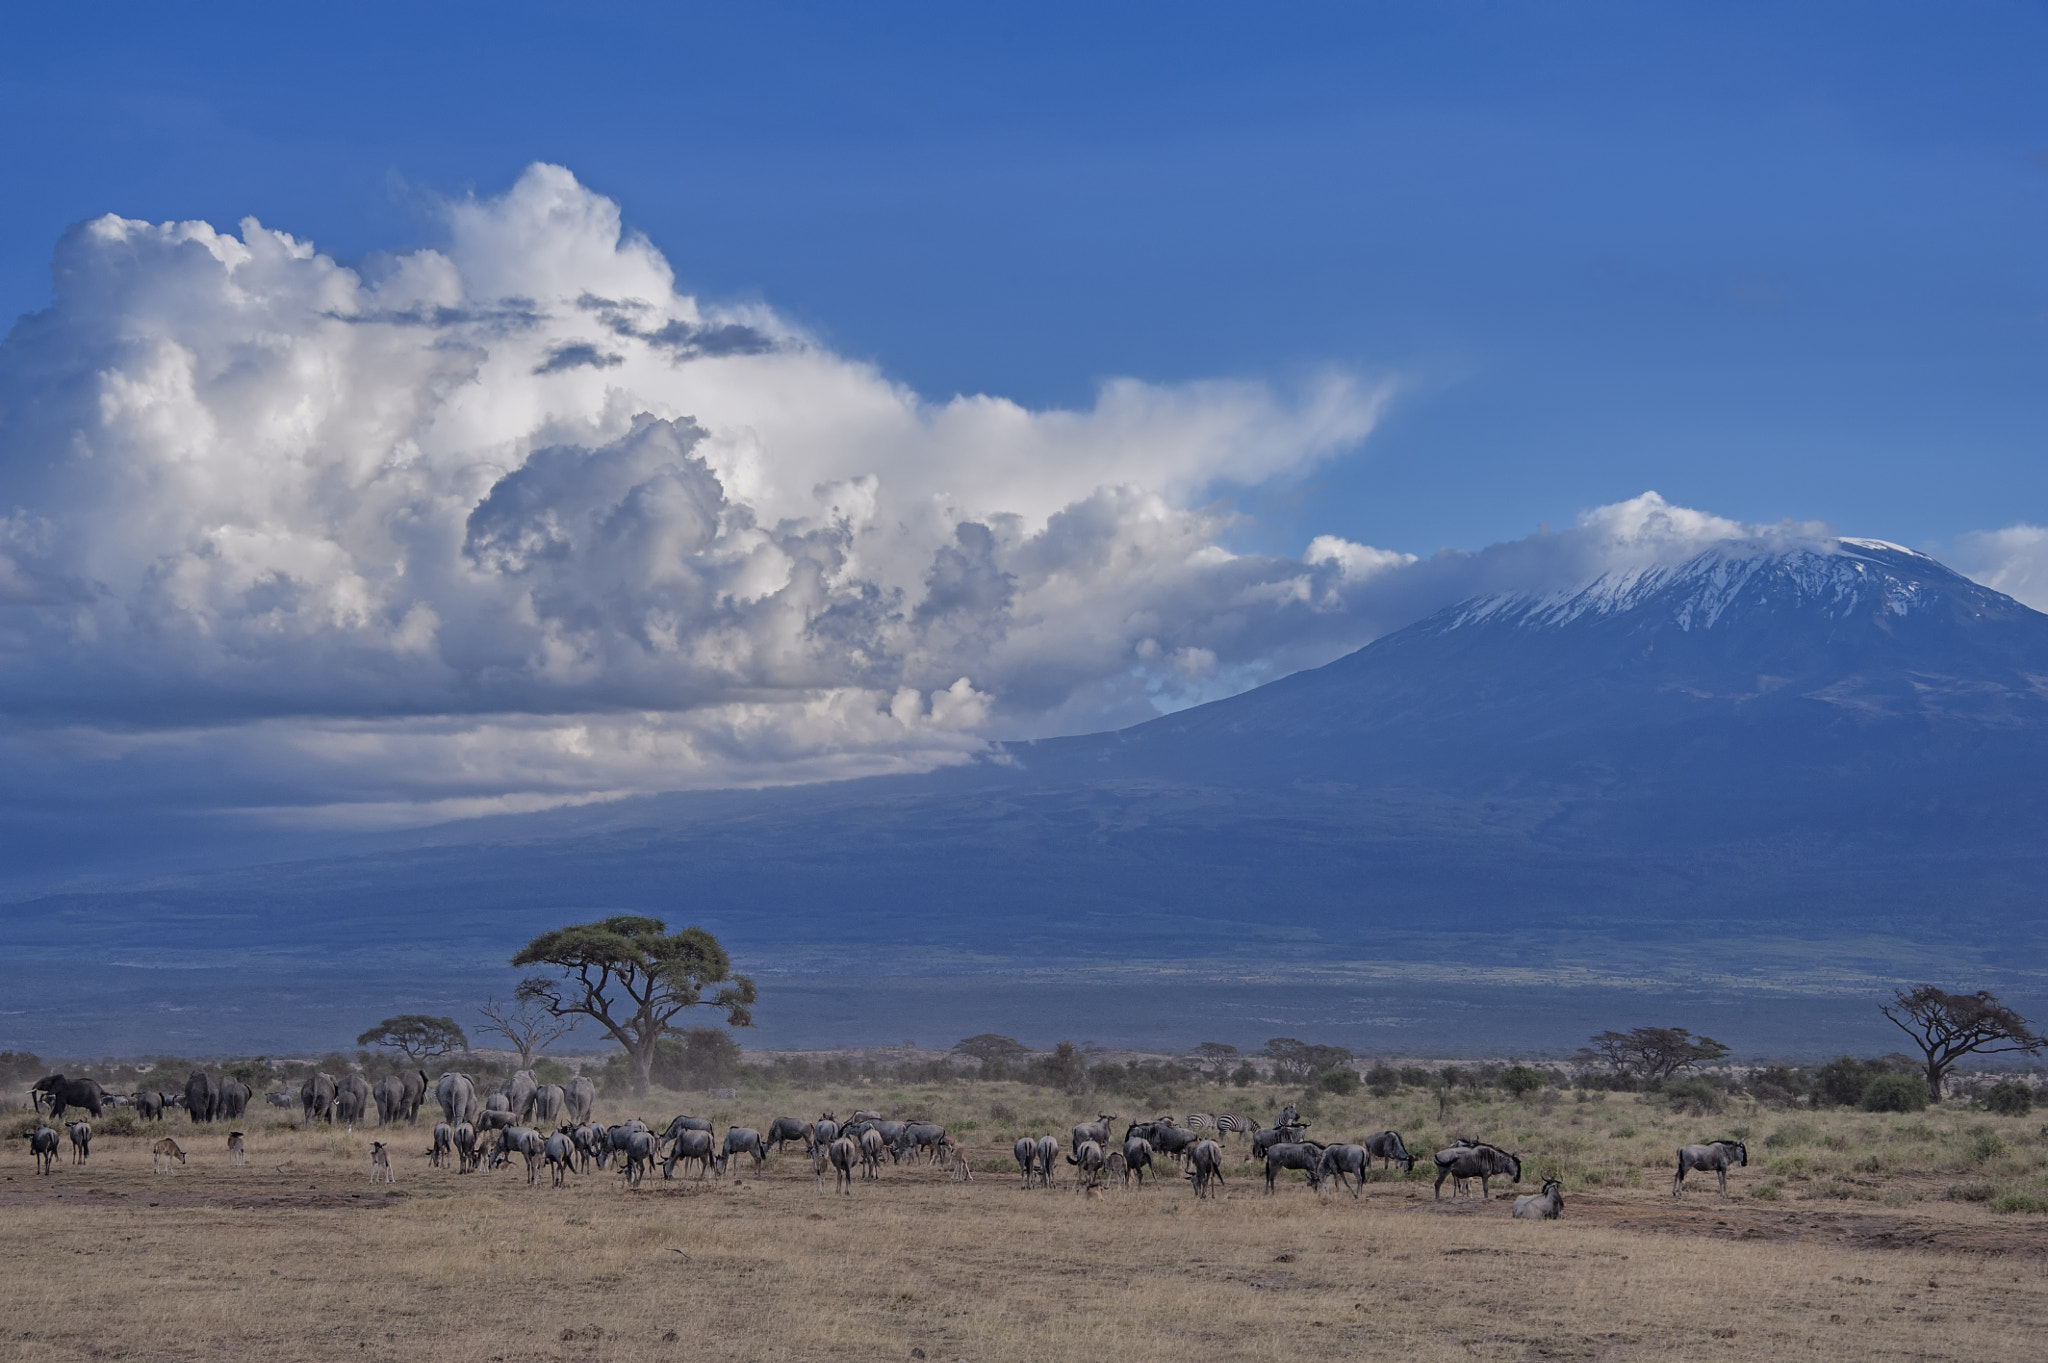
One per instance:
(81, 1142)
(380, 1163)
(163, 1153)
(238, 1152)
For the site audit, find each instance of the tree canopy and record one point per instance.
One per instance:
(527, 1024)
(1298, 1060)
(632, 976)
(992, 1046)
(1652, 1052)
(419, 1036)
(1946, 1027)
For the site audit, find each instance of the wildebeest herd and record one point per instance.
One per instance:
(479, 1132)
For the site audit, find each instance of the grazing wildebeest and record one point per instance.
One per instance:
(1483, 1162)
(1137, 1154)
(1547, 1205)
(233, 1100)
(1026, 1151)
(351, 1100)
(81, 1141)
(456, 1093)
(578, 1096)
(1205, 1162)
(1168, 1139)
(1266, 1137)
(1118, 1171)
(63, 1093)
(42, 1147)
(148, 1106)
(444, 1145)
(380, 1163)
(238, 1150)
(525, 1142)
(785, 1129)
(1387, 1145)
(922, 1137)
(1089, 1163)
(1719, 1156)
(1097, 1131)
(316, 1097)
(842, 1155)
(690, 1145)
(1347, 1161)
(1048, 1159)
(467, 1156)
(681, 1124)
(163, 1153)
(1306, 1156)
(741, 1140)
(548, 1101)
(560, 1152)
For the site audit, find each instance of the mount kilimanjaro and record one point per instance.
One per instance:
(1765, 778)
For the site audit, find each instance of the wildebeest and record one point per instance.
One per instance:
(238, 1152)
(1547, 1205)
(686, 1124)
(81, 1142)
(380, 1162)
(871, 1147)
(467, 1156)
(1719, 1156)
(1137, 1153)
(42, 1147)
(1205, 1162)
(1306, 1156)
(1119, 1172)
(1089, 1163)
(316, 1097)
(842, 1155)
(1266, 1137)
(444, 1145)
(1097, 1131)
(1387, 1145)
(63, 1093)
(163, 1153)
(741, 1140)
(560, 1152)
(1346, 1161)
(1483, 1162)
(1026, 1151)
(456, 1093)
(783, 1130)
(525, 1142)
(1048, 1159)
(921, 1137)
(578, 1096)
(824, 1131)
(690, 1145)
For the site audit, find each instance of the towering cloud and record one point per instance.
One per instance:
(515, 522)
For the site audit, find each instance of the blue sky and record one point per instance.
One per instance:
(1770, 261)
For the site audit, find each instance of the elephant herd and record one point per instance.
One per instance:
(205, 1098)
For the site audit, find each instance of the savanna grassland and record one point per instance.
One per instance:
(1851, 1235)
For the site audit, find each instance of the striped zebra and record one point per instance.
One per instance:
(1201, 1121)
(1230, 1121)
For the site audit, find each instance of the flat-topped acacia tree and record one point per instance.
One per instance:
(633, 976)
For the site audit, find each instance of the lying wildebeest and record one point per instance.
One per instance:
(1483, 1162)
(1205, 1162)
(1137, 1153)
(1547, 1205)
(842, 1155)
(62, 1093)
(42, 1147)
(1089, 1163)
(1048, 1159)
(1306, 1156)
(163, 1153)
(741, 1140)
(1026, 1151)
(444, 1145)
(238, 1150)
(1097, 1131)
(1346, 1161)
(81, 1142)
(380, 1163)
(1388, 1146)
(1719, 1156)
(690, 1145)
(783, 1130)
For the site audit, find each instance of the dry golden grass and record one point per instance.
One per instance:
(295, 1256)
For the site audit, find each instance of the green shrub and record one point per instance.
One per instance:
(2019, 1202)
(1382, 1079)
(1969, 1192)
(1894, 1093)
(1791, 1134)
(1340, 1079)
(1697, 1096)
(1985, 1144)
(1521, 1081)
(1841, 1081)
(2010, 1099)
(1245, 1075)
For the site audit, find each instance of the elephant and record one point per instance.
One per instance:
(519, 1091)
(202, 1096)
(414, 1086)
(316, 1095)
(63, 1093)
(352, 1099)
(389, 1093)
(233, 1101)
(579, 1095)
(547, 1103)
(148, 1106)
(456, 1093)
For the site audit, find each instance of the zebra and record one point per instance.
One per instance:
(1229, 1121)
(1201, 1121)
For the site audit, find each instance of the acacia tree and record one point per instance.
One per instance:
(528, 1025)
(1651, 1052)
(419, 1036)
(992, 1046)
(633, 976)
(1946, 1027)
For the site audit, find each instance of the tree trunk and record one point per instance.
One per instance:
(1935, 1073)
(643, 1069)
(526, 1057)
